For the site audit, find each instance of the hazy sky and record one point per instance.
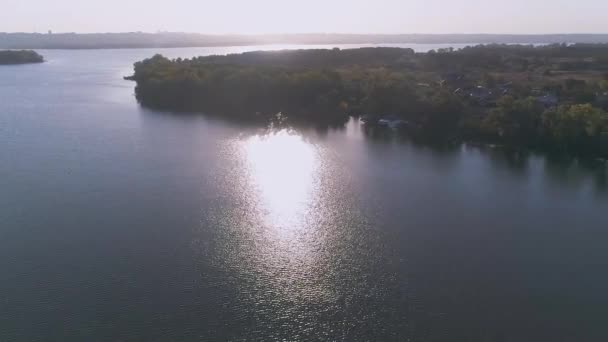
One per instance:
(284, 16)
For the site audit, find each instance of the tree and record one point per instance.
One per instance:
(514, 121)
(575, 128)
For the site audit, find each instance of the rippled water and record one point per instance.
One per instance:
(122, 224)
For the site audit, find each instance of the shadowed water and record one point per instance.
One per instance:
(123, 224)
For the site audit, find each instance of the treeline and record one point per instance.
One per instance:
(491, 57)
(580, 129)
(525, 58)
(313, 58)
(19, 57)
(496, 93)
(241, 91)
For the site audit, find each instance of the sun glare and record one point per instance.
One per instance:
(282, 168)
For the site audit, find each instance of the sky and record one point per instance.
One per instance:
(309, 16)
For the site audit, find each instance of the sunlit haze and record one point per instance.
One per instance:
(279, 16)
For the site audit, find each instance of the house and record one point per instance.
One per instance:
(505, 88)
(455, 79)
(537, 91)
(548, 100)
(601, 100)
(481, 94)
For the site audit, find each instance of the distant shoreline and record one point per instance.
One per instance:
(292, 46)
(140, 40)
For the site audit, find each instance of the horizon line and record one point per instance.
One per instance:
(312, 33)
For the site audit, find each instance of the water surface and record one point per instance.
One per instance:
(119, 223)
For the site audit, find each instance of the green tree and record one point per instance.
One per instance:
(575, 128)
(514, 121)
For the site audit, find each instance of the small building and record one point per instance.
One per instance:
(453, 76)
(480, 93)
(505, 88)
(483, 96)
(601, 100)
(454, 79)
(537, 91)
(548, 100)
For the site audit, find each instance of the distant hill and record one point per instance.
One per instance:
(168, 39)
(20, 57)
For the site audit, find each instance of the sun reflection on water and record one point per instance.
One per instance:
(282, 167)
(292, 229)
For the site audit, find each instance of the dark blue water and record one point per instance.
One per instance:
(119, 223)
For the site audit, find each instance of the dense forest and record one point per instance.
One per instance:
(551, 97)
(19, 57)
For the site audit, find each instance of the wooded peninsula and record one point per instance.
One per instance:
(19, 57)
(551, 97)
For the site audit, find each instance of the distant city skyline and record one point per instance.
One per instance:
(313, 16)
